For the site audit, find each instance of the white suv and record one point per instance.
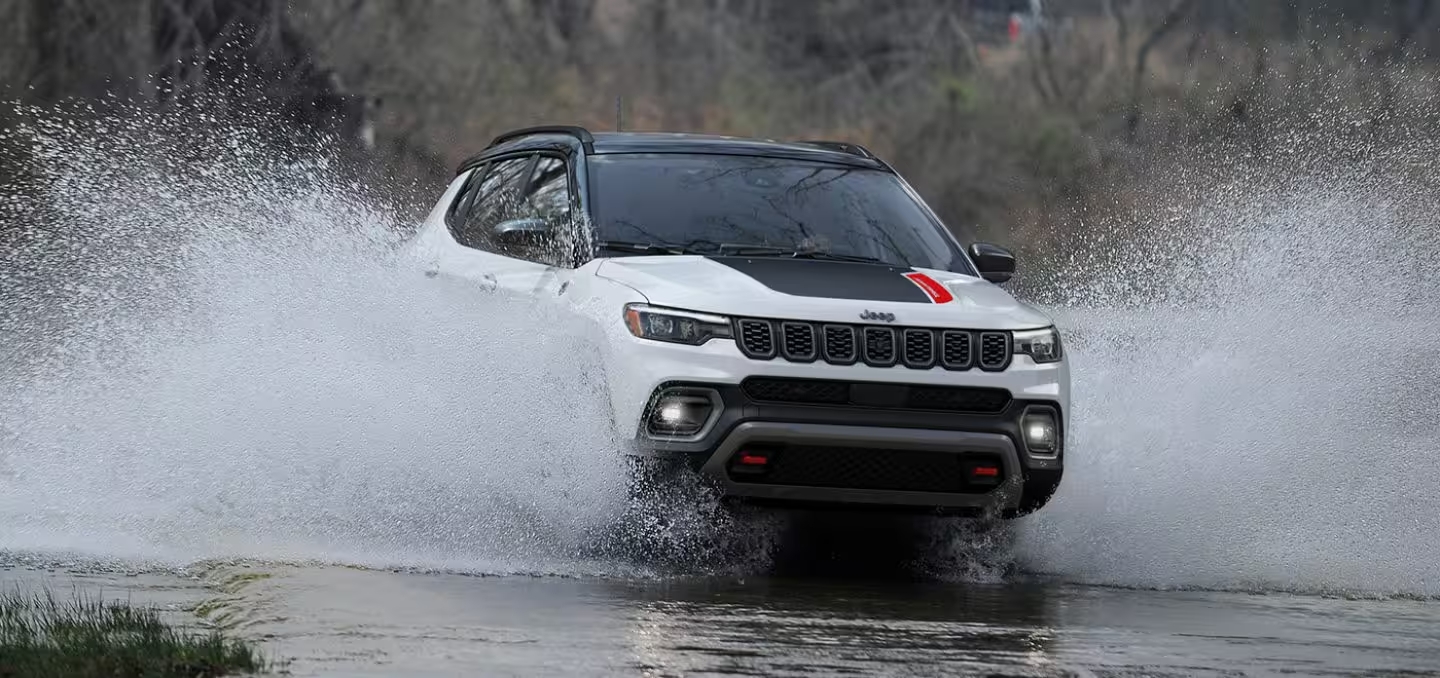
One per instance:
(788, 319)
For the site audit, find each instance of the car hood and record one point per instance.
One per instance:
(829, 291)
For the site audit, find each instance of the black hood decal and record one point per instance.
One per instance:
(830, 279)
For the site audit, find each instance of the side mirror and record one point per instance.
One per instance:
(996, 263)
(522, 232)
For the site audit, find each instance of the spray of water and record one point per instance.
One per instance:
(216, 353)
(1260, 417)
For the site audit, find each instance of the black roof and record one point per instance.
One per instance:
(600, 143)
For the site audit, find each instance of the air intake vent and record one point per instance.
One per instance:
(994, 351)
(919, 349)
(803, 391)
(873, 469)
(957, 353)
(757, 339)
(879, 346)
(965, 399)
(840, 346)
(798, 342)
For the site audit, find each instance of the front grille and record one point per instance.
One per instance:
(919, 349)
(840, 345)
(958, 399)
(994, 350)
(867, 469)
(798, 342)
(956, 354)
(757, 338)
(877, 346)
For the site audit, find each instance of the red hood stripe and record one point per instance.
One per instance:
(932, 287)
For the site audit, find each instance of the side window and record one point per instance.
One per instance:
(550, 200)
(521, 208)
(550, 191)
(496, 199)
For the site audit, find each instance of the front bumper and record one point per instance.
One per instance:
(865, 456)
(884, 441)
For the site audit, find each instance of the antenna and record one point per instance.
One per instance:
(619, 119)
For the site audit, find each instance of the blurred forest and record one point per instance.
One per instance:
(1008, 115)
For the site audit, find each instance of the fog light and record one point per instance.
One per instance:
(1042, 434)
(679, 414)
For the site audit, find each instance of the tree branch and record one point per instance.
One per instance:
(1167, 24)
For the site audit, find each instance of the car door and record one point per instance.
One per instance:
(512, 222)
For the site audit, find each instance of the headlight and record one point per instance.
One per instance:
(679, 327)
(1043, 346)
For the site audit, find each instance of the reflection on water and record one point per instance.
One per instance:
(772, 627)
(346, 621)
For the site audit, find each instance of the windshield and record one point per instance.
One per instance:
(757, 206)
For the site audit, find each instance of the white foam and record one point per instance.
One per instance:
(232, 363)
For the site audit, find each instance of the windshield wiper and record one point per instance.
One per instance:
(732, 249)
(775, 251)
(641, 247)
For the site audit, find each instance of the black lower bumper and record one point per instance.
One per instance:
(880, 457)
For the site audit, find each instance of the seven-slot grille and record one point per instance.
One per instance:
(877, 346)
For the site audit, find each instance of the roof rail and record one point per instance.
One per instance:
(843, 147)
(572, 130)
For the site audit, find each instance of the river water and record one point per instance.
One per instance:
(336, 621)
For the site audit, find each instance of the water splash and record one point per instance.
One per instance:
(211, 352)
(1259, 417)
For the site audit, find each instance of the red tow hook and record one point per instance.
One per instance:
(750, 462)
(983, 473)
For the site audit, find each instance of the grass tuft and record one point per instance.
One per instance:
(41, 637)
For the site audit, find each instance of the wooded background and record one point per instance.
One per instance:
(1011, 123)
